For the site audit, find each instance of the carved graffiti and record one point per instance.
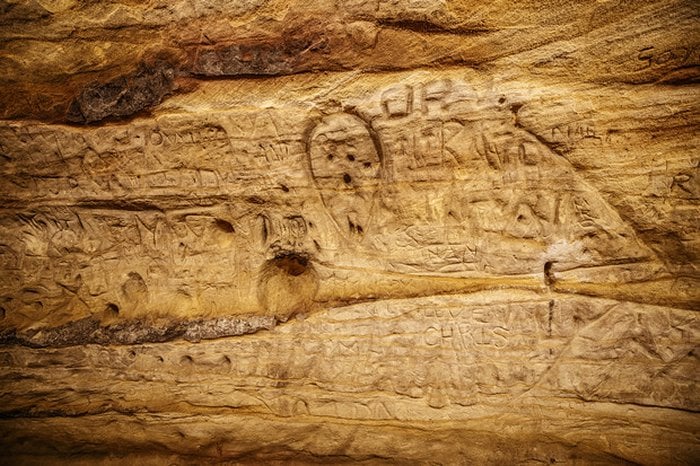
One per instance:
(346, 167)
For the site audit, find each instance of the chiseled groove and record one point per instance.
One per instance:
(417, 287)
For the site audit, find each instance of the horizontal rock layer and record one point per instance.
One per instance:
(504, 377)
(378, 232)
(86, 61)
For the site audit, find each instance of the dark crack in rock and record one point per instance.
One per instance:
(124, 96)
(227, 326)
(291, 52)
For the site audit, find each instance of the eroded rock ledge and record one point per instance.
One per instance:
(88, 61)
(385, 232)
(91, 330)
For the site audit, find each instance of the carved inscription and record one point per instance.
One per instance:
(423, 178)
(652, 57)
(168, 158)
(346, 167)
(494, 328)
(283, 233)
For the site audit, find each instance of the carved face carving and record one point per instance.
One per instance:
(347, 168)
(343, 156)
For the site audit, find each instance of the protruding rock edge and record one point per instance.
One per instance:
(91, 330)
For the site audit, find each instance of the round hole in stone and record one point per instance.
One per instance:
(351, 157)
(224, 226)
(112, 310)
(291, 263)
(287, 284)
(347, 178)
(186, 360)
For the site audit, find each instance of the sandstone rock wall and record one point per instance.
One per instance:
(364, 231)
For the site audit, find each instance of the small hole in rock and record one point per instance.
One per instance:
(284, 188)
(351, 157)
(264, 230)
(186, 360)
(112, 310)
(347, 178)
(548, 274)
(330, 156)
(501, 100)
(367, 164)
(224, 226)
(291, 263)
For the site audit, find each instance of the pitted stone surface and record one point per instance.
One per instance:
(409, 232)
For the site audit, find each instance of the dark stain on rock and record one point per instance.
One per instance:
(425, 26)
(256, 200)
(125, 95)
(20, 12)
(89, 330)
(293, 51)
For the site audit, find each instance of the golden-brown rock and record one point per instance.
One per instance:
(365, 231)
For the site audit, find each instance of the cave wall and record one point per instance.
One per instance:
(409, 231)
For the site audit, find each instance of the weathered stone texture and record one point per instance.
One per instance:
(366, 231)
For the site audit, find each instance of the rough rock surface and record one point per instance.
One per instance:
(409, 231)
